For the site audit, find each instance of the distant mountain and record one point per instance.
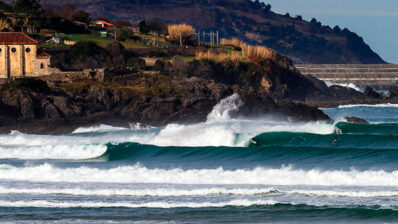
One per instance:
(253, 22)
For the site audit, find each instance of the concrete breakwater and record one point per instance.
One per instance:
(379, 76)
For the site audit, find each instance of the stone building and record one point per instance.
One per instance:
(19, 56)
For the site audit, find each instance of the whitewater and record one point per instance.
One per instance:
(208, 172)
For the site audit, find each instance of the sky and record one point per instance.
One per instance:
(375, 20)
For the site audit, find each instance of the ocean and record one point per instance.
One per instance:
(210, 172)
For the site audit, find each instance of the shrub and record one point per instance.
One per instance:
(135, 38)
(219, 57)
(35, 85)
(252, 52)
(123, 34)
(87, 54)
(181, 33)
(136, 62)
(159, 65)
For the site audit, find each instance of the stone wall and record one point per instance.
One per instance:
(380, 76)
(3, 61)
(15, 55)
(30, 52)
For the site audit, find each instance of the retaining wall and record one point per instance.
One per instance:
(380, 76)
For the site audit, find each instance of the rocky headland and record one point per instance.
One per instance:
(179, 92)
(174, 91)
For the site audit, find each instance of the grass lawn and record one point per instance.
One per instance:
(101, 41)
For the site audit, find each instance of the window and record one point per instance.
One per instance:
(41, 66)
(0, 50)
(27, 50)
(14, 50)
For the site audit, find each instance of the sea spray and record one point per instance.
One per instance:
(99, 128)
(348, 85)
(222, 110)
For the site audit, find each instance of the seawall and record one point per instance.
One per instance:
(380, 76)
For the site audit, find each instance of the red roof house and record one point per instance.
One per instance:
(16, 38)
(103, 24)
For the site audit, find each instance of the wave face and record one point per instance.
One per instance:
(211, 172)
(349, 85)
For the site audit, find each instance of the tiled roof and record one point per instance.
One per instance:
(16, 38)
(81, 23)
(43, 55)
(104, 22)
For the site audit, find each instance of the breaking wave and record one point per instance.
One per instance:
(259, 176)
(90, 204)
(349, 85)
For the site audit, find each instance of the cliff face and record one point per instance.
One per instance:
(304, 42)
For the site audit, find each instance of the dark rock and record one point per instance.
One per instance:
(51, 112)
(356, 120)
(301, 112)
(371, 93)
(178, 100)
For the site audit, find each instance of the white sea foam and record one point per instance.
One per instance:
(159, 192)
(159, 204)
(354, 194)
(205, 191)
(219, 176)
(68, 152)
(228, 133)
(99, 128)
(369, 105)
(349, 85)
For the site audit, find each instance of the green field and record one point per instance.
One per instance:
(101, 41)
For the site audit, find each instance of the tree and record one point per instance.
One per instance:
(123, 34)
(5, 25)
(5, 7)
(267, 8)
(337, 29)
(80, 15)
(142, 26)
(156, 27)
(87, 54)
(66, 11)
(181, 33)
(30, 7)
(314, 21)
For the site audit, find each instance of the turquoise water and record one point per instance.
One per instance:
(208, 172)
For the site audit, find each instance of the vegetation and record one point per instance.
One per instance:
(153, 27)
(5, 25)
(35, 85)
(219, 57)
(5, 7)
(136, 62)
(181, 33)
(87, 54)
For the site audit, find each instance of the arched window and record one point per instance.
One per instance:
(27, 50)
(41, 65)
